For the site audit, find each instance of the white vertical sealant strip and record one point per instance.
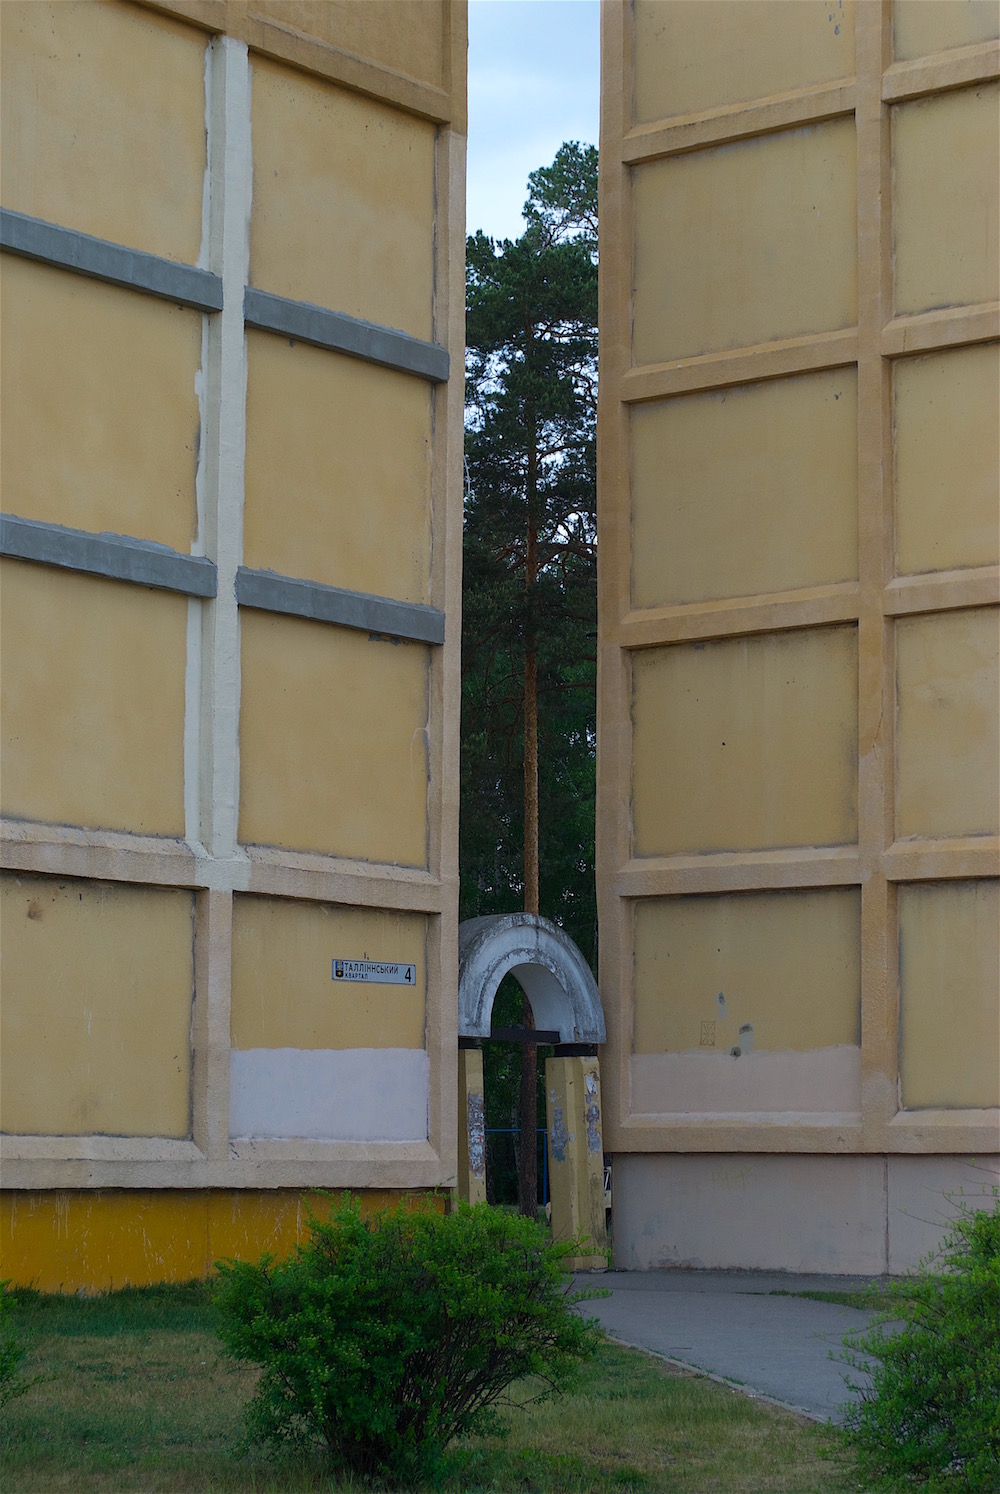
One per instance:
(224, 440)
(195, 616)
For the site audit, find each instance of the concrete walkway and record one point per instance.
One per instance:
(727, 1324)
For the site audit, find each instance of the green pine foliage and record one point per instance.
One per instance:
(932, 1413)
(383, 1338)
(531, 407)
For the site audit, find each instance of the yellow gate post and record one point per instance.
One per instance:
(576, 1157)
(471, 1127)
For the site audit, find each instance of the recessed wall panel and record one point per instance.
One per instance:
(946, 161)
(947, 735)
(746, 744)
(745, 490)
(96, 1015)
(284, 994)
(946, 410)
(333, 740)
(338, 470)
(100, 406)
(680, 67)
(103, 122)
(747, 1002)
(922, 27)
(343, 200)
(787, 963)
(949, 1003)
(392, 33)
(92, 712)
(319, 1058)
(745, 243)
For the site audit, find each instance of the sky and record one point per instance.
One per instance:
(534, 81)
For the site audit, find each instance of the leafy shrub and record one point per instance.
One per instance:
(385, 1337)
(12, 1352)
(932, 1412)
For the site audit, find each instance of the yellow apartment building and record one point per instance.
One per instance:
(798, 762)
(233, 295)
(233, 302)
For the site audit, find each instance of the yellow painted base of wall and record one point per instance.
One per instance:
(93, 1241)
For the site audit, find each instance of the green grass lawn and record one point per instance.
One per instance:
(140, 1398)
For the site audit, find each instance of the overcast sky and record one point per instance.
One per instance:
(534, 81)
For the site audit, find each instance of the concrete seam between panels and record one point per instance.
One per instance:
(119, 557)
(269, 592)
(339, 333)
(225, 417)
(116, 264)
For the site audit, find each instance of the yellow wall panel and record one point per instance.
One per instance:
(787, 963)
(333, 740)
(92, 711)
(746, 243)
(746, 744)
(100, 410)
(681, 68)
(947, 459)
(745, 490)
(920, 27)
(343, 200)
(399, 34)
(96, 1017)
(103, 122)
(947, 734)
(284, 995)
(949, 1004)
(946, 162)
(330, 495)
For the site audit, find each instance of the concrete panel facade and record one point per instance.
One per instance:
(773, 464)
(87, 143)
(946, 436)
(718, 1212)
(92, 702)
(98, 983)
(798, 752)
(317, 423)
(84, 366)
(235, 761)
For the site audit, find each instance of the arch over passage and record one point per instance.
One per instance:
(546, 964)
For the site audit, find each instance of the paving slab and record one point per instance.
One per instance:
(740, 1327)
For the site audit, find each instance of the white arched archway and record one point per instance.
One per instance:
(546, 964)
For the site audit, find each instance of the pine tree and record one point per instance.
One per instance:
(529, 728)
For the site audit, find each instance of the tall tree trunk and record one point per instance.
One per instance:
(527, 1169)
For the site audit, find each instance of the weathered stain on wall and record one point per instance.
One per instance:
(94, 1240)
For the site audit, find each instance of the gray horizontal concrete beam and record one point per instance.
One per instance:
(119, 557)
(185, 285)
(269, 592)
(345, 334)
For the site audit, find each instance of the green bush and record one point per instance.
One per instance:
(385, 1337)
(932, 1412)
(12, 1352)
